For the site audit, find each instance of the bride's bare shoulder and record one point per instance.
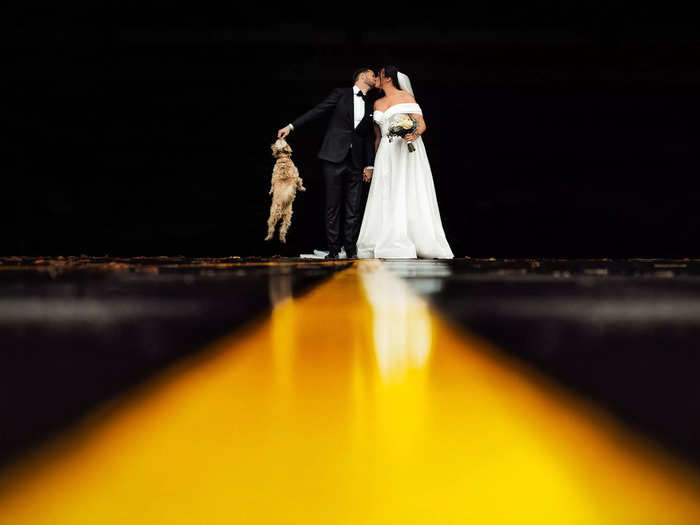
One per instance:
(406, 97)
(380, 103)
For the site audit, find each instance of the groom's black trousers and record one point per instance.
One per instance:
(343, 191)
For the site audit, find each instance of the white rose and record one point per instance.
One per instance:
(406, 123)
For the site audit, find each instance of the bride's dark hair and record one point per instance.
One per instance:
(393, 73)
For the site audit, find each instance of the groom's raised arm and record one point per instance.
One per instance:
(322, 109)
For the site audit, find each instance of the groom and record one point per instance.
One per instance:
(347, 156)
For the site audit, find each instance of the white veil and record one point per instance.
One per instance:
(405, 83)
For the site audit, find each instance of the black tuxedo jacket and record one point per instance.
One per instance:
(341, 132)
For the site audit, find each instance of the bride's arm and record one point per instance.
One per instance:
(419, 130)
(377, 137)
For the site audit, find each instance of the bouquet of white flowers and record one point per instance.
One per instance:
(401, 125)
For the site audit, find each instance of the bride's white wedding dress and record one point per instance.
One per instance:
(401, 218)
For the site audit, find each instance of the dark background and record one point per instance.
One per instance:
(554, 128)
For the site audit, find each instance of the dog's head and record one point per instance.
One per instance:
(281, 149)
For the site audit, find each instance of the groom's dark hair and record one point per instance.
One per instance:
(358, 72)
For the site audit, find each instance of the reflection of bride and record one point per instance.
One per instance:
(401, 325)
(401, 218)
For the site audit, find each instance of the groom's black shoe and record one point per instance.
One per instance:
(333, 254)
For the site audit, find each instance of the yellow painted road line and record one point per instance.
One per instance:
(353, 404)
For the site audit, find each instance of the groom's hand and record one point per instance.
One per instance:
(367, 174)
(282, 133)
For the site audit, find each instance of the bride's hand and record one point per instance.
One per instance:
(411, 137)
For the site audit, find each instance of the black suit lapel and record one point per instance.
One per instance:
(368, 105)
(351, 108)
(367, 118)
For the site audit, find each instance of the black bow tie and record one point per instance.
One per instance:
(361, 94)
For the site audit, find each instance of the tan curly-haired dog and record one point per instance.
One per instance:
(285, 183)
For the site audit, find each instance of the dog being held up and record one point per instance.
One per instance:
(284, 186)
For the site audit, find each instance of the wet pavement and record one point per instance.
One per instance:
(624, 334)
(77, 330)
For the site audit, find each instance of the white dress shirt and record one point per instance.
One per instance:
(359, 103)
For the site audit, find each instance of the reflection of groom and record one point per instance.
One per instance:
(347, 156)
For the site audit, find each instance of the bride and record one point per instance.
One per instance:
(401, 218)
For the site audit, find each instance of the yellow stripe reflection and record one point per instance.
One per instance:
(353, 404)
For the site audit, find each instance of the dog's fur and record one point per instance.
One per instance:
(285, 183)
